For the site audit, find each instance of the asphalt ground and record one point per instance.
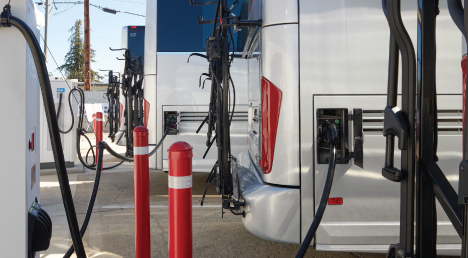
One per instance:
(111, 229)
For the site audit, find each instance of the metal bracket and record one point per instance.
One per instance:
(397, 251)
(246, 23)
(194, 3)
(395, 124)
(213, 48)
(463, 182)
(202, 21)
(236, 206)
(117, 49)
(392, 174)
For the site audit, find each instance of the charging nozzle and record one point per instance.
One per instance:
(332, 134)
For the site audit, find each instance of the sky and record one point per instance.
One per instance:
(106, 30)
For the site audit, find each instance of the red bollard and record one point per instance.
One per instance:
(142, 199)
(180, 200)
(98, 131)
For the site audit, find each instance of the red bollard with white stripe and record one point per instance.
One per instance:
(98, 131)
(180, 200)
(142, 198)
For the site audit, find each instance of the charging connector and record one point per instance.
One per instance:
(332, 134)
(336, 118)
(170, 122)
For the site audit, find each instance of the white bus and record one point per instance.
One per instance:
(172, 83)
(326, 58)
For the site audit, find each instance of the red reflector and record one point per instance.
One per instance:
(335, 201)
(146, 111)
(271, 104)
(133, 27)
(31, 143)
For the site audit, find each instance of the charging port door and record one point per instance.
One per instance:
(170, 120)
(341, 119)
(358, 134)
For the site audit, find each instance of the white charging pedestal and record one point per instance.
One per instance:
(19, 131)
(60, 87)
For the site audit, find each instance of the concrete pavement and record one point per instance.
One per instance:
(111, 229)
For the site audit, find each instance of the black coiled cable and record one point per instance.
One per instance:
(71, 111)
(81, 132)
(92, 199)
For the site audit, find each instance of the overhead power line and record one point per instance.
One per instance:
(104, 9)
(108, 10)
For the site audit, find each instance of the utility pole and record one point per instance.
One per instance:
(46, 28)
(87, 54)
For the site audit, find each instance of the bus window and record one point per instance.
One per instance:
(178, 30)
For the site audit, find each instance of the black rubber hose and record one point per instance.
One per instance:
(456, 11)
(71, 111)
(80, 133)
(85, 164)
(92, 199)
(87, 154)
(123, 158)
(159, 143)
(323, 203)
(54, 132)
(78, 144)
(115, 154)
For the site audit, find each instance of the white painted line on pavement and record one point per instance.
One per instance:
(56, 184)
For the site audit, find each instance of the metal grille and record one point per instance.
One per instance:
(200, 116)
(449, 120)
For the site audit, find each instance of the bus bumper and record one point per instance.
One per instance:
(271, 212)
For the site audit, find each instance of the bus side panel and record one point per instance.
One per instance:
(280, 12)
(178, 91)
(369, 214)
(280, 66)
(344, 51)
(150, 70)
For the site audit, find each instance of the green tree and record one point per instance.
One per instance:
(74, 59)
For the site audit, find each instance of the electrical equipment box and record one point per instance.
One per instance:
(61, 89)
(20, 132)
(339, 117)
(170, 120)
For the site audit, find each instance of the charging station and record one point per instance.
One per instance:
(61, 89)
(20, 132)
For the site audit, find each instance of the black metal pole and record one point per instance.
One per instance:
(225, 110)
(408, 108)
(465, 153)
(426, 217)
(392, 93)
